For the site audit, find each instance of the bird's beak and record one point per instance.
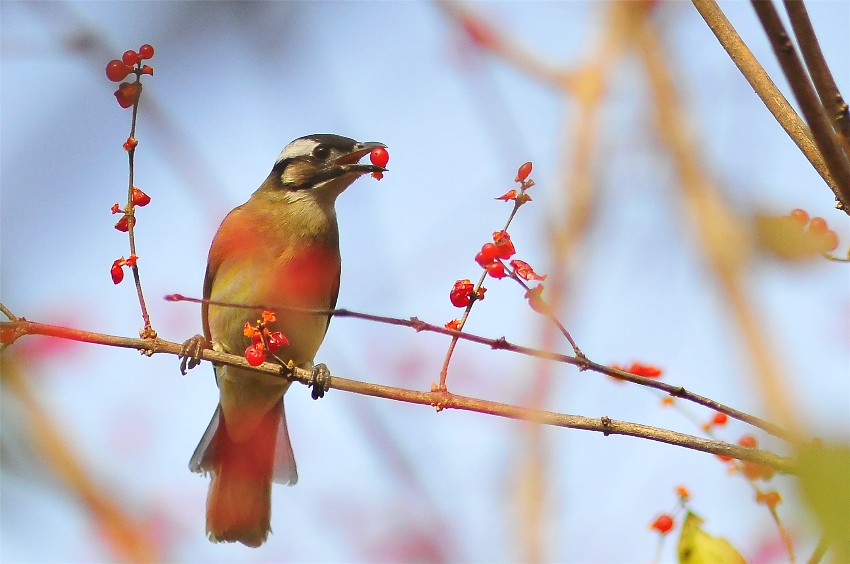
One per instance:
(351, 161)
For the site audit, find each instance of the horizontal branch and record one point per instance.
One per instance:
(503, 344)
(440, 399)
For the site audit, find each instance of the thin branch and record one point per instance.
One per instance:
(503, 344)
(807, 99)
(828, 91)
(440, 399)
(763, 86)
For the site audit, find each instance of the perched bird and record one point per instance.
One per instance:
(280, 248)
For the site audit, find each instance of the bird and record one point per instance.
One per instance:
(280, 248)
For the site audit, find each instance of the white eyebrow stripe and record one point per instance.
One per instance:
(299, 147)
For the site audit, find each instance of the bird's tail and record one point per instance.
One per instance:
(239, 498)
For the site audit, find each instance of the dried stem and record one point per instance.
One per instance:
(440, 399)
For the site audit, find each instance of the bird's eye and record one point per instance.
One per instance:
(321, 152)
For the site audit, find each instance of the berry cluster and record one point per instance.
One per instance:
(822, 237)
(493, 255)
(379, 157)
(262, 339)
(796, 236)
(128, 95)
(117, 70)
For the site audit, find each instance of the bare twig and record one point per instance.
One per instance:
(763, 86)
(804, 92)
(441, 399)
(503, 344)
(828, 91)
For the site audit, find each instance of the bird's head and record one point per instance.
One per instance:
(321, 165)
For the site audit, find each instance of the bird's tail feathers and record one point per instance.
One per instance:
(239, 499)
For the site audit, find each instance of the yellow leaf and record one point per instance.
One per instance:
(698, 547)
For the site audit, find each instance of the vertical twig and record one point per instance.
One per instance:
(765, 89)
(825, 85)
(808, 100)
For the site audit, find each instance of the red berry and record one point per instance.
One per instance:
(140, 198)
(146, 51)
(117, 274)
(461, 294)
(496, 270)
(124, 223)
(130, 143)
(379, 157)
(645, 370)
(818, 225)
(489, 252)
(131, 261)
(116, 271)
(147, 69)
(130, 57)
(748, 441)
(116, 70)
(523, 172)
(255, 355)
(799, 216)
(505, 248)
(128, 94)
(720, 418)
(277, 340)
(663, 524)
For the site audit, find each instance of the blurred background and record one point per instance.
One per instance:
(379, 480)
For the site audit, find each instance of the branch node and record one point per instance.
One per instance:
(500, 343)
(417, 324)
(606, 425)
(679, 392)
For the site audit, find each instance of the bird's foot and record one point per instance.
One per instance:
(320, 381)
(190, 354)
